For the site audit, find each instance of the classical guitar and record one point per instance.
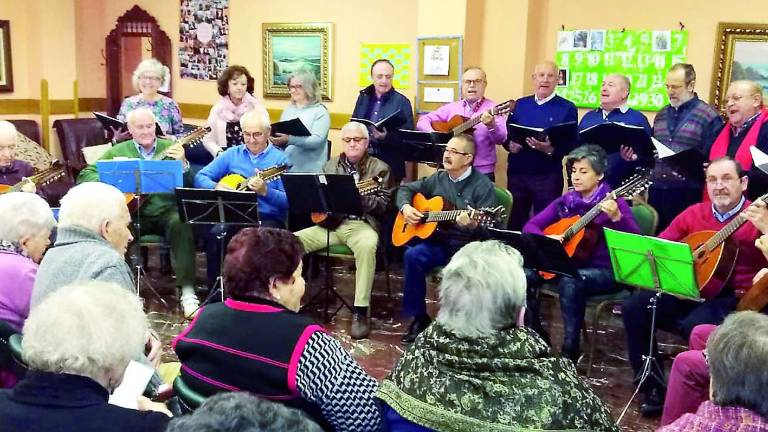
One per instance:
(433, 212)
(331, 221)
(714, 254)
(190, 140)
(48, 175)
(238, 182)
(459, 124)
(579, 241)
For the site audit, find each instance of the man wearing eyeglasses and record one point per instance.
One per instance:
(247, 160)
(359, 233)
(488, 133)
(464, 187)
(726, 184)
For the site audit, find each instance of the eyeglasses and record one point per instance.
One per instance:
(474, 81)
(295, 87)
(454, 151)
(253, 135)
(723, 181)
(150, 78)
(357, 140)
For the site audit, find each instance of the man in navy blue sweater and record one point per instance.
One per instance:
(613, 108)
(534, 169)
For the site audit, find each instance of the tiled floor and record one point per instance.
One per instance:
(611, 375)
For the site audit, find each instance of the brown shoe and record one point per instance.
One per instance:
(361, 326)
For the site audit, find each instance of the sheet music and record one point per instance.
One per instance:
(759, 159)
(663, 150)
(134, 382)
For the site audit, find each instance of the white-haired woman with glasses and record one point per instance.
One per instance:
(477, 368)
(150, 75)
(306, 153)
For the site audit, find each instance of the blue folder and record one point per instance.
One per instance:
(141, 175)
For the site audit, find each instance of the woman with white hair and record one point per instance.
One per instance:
(26, 222)
(77, 344)
(309, 153)
(150, 75)
(477, 368)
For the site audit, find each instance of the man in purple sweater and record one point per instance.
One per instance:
(490, 132)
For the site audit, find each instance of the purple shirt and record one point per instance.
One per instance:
(13, 174)
(713, 418)
(485, 139)
(18, 275)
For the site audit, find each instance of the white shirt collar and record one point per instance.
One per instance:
(623, 108)
(463, 176)
(545, 100)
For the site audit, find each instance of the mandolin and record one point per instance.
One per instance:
(48, 175)
(240, 183)
(192, 139)
(433, 212)
(714, 254)
(459, 124)
(331, 221)
(579, 241)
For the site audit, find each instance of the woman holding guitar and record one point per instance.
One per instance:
(12, 170)
(591, 198)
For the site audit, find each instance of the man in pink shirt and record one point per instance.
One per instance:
(490, 132)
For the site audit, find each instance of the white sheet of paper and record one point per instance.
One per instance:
(93, 153)
(759, 158)
(438, 94)
(135, 380)
(663, 150)
(437, 58)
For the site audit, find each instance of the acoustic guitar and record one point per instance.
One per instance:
(433, 212)
(48, 175)
(332, 221)
(714, 254)
(240, 183)
(578, 241)
(190, 140)
(756, 299)
(459, 124)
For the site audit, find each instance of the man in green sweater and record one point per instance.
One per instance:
(158, 212)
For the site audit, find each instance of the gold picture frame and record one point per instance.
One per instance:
(6, 70)
(290, 46)
(737, 44)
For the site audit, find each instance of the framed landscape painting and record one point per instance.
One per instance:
(742, 54)
(290, 47)
(6, 71)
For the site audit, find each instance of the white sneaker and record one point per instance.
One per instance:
(189, 302)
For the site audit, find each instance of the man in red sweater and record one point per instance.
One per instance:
(726, 184)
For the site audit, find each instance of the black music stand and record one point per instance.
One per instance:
(218, 207)
(424, 147)
(324, 193)
(539, 252)
(139, 176)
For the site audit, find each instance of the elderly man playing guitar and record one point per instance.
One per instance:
(490, 132)
(463, 186)
(12, 170)
(737, 260)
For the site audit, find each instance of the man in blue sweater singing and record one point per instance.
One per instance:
(534, 170)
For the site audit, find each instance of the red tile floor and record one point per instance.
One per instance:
(611, 375)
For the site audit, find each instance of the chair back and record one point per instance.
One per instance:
(504, 197)
(28, 128)
(74, 134)
(188, 398)
(14, 346)
(646, 217)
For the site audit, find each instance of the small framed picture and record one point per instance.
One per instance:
(597, 40)
(662, 40)
(562, 77)
(580, 40)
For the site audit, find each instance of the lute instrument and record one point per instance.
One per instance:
(433, 212)
(578, 241)
(240, 183)
(48, 175)
(459, 124)
(714, 254)
(332, 221)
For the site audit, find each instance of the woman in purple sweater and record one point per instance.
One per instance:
(587, 166)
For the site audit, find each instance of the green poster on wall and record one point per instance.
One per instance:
(645, 56)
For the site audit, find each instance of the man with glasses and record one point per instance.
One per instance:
(726, 185)
(462, 186)
(490, 132)
(686, 123)
(256, 154)
(359, 233)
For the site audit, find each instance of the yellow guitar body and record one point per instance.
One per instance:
(235, 181)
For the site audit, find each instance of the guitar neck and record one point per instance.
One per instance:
(729, 229)
(469, 124)
(442, 215)
(585, 220)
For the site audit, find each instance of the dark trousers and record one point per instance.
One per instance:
(536, 191)
(574, 294)
(672, 314)
(670, 200)
(418, 261)
(215, 246)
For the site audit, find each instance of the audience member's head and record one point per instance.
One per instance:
(242, 412)
(100, 208)
(26, 220)
(8, 137)
(482, 289)
(92, 329)
(265, 263)
(738, 355)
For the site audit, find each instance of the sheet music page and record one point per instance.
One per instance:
(135, 380)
